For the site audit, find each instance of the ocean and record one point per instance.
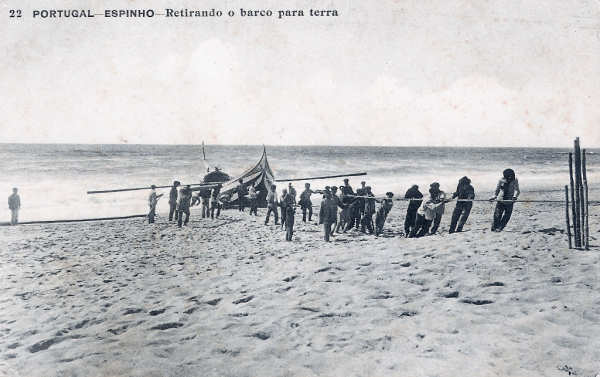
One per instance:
(53, 178)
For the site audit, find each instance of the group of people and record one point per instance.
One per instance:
(343, 209)
(181, 199)
(424, 215)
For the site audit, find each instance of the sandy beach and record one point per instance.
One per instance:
(230, 297)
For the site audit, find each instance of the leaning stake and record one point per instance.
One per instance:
(567, 215)
(586, 203)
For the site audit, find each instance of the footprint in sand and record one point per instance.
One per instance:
(243, 300)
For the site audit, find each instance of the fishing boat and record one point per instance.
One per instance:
(260, 176)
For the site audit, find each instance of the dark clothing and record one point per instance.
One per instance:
(421, 227)
(327, 231)
(172, 210)
(180, 213)
(306, 204)
(382, 213)
(502, 215)
(461, 212)
(184, 206)
(289, 223)
(460, 216)
(214, 203)
(241, 191)
(287, 201)
(411, 212)
(271, 209)
(367, 214)
(413, 193)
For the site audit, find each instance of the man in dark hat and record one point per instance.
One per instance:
(173, 201)
(413, 206)
(152, 201)
(461, 212)
(507, 192)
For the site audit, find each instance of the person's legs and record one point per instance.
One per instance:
(304, 210)
(455, 216)
(327, 229)
(151, 215)
(369, 223)
(465, 215)
(310, 211)
(410, 221)
(282, 217)
(508, 208)
(436, 223)
(171, 211)
(187, 216)
(218, 210)
(14, 216)
(179, 217)
(418, 225)
(498, 212)
(269, 210)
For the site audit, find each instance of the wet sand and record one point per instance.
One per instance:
(230, 297)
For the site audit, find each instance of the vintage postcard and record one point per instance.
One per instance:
(300, 188)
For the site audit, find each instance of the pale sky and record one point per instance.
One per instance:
(385, 72)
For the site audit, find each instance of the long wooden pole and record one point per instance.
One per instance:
(587, 205)
(204, 185)
(573, 202)
(567, 215)
(323, 177)
(578, 192)
(76, 220)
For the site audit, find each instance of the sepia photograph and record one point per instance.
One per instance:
(300, 188)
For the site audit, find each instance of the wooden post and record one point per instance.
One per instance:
(567, 215)
(573, 202)
(578, 190)
(587, 215)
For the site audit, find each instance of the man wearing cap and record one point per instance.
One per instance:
(173, 201)
(152, 201)
(292, 192)
(14, 204)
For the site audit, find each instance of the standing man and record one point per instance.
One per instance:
(438, 197)
(205, 197)
(368, 211)
(359, 210)
(14, 204)
(253, 196)
(382, 212)
(338, 202)
(413, 206)
(284, 202)
(241, 191)
(289, 221)
(214, 202)
(292, 192)
(508, 192)
(152, 201)
(184, 205)
(173, 201)
(272, 205)
(464, 190)
(305, 202)
(327, 214)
